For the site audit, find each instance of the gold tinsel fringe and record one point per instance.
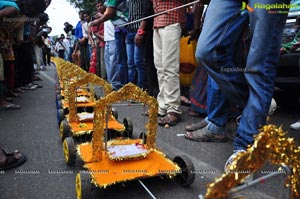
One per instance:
(272, 145)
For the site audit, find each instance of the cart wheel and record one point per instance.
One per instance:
(61, 115)
(59, 104)
(115, 113)
(58, 91)
(187, 175)
(143, 136)
(58, 97)
(64, 130)
(69, 151)
(128, 128)
(83, 185)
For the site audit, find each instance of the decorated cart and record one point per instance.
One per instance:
(120, 160)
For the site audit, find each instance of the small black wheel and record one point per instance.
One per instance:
(61, 115)
(69, 151)
(114, 112)
(59, 104)
(83, 185)
(187, 175)
(143, 136)
(58, 97)
(128, 128)
(64, 129)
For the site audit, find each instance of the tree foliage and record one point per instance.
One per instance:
(88, 5)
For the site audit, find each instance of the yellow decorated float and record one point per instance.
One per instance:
(120, 160)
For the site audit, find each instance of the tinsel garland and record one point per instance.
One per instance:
(272, 145)
(88, 78)
(127, 92)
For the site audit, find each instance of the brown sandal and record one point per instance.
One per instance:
(196, 126)
(12, 159)
(171, 119)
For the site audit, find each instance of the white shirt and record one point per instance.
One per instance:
(109, 31)
(66, 44)
(47, 42)
(59, 46)
(85, 31)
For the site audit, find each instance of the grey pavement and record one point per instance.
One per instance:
(45, 175)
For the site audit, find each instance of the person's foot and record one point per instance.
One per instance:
(204, 135)
(11, 93)
(18, 90)
(29, 86)
(185, 101)
(9, 106)
(11, 160)
(229, 165)
(295, 126)
(8, 99)
(170, 119)
(196, 126)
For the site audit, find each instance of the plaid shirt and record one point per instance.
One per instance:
(176, 16)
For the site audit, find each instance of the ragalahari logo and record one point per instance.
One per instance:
(245, 6)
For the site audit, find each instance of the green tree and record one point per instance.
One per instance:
(88, 5)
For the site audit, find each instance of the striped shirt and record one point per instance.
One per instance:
(172, 17)
(138, 9)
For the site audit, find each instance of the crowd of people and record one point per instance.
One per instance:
(20, 23)
(236, 62)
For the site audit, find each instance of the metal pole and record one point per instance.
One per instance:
(157, 14)
(282, 170)
(144, 186)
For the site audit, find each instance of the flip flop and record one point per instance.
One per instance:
(196, 126)
(12, 160)
(199, 136)
(9, 106)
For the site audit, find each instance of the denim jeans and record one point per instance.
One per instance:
(250, 86)
(111, 64)
(120, 36)
(136, 69)
(217, 104)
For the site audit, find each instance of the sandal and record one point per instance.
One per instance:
(18, 90)
(203, 135)
(9, 106)
(196, 126)
(12, 160)
(185, 101)
(171, 119)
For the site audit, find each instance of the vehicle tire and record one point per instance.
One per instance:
(187, 175)
(69, 151)
(83, 185)
(64, 129)
(128, 128)
(58, 97)
(59, 104)
(61, 115)
(115, 113)
(143, 136)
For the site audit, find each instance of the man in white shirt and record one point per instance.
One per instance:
(110, 56)
(66, 43)
(60, 47)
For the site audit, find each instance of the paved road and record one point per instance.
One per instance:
(33, 130)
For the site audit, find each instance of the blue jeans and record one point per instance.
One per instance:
(111, 64)
(217, 104)
(136, 69)
(251, 86)
(120, 36)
